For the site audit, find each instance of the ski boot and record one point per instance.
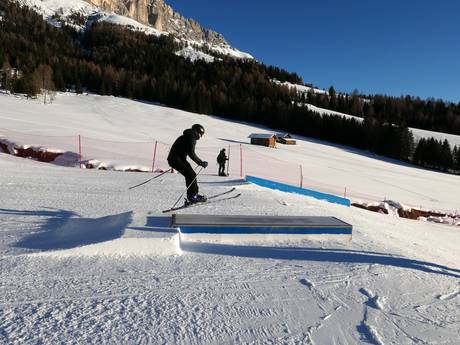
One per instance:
(196, 198)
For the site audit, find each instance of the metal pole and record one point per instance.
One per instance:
(228, 159)
(154, 155)
(79, 149)
(241, 161)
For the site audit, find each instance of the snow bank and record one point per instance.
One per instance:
(117, 235)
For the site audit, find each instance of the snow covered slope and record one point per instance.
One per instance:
(326, 167)
(80, 261)
(396, 282)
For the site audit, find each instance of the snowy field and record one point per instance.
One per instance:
(81, 262)
(133, 126)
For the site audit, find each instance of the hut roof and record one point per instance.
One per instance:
(261, 135)
(283, 135)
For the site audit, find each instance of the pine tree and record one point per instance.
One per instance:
(59, 79)
(457, 159)
(433, 153)
(406, 143)
(6, 81)
(332, 98)
(446, 161)
(78, 87)
(355, 104)
(419, 153)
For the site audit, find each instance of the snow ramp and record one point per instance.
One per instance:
(125, 234)
(139, 234)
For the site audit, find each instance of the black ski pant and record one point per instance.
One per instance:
(184, 168)
(221, 169)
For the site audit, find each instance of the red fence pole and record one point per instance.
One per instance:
(154, 155)
(79, 149)
(241, 161)
(301, 176)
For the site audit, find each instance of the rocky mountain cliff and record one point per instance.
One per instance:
(162, 17)
(149, 16)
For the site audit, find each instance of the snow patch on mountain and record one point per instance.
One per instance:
(300, 88)
(124, 21)
(49, 8)
(194, 55)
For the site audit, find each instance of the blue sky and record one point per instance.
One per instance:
(387, 47)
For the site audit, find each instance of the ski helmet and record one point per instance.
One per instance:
(199, 129)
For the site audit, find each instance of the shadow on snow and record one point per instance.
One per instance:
(317, 254)
(63, 230)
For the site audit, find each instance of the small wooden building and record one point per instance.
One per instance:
(285, 139)
(263, 139)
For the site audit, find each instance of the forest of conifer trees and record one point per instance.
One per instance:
(111, 60)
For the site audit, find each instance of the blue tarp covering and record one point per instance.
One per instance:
(291, 189)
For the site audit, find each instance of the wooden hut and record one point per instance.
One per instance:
(285, 139)
(263, 139)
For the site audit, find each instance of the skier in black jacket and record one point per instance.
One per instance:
(185, 146)
(221, 159)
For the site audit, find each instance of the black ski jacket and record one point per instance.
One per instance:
(221, 158)
(184, 146)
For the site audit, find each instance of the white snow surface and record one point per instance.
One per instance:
(82, 262)
(194, 55)
(300, 88)
(64, 8)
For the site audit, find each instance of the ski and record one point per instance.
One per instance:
(213, 200)
(220, 194)
(150, 179)
(209, 198)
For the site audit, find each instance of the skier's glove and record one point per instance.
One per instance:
(204, 164)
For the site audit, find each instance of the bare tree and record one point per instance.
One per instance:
(6, 76)
(43, 79)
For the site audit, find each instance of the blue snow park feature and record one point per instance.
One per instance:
(262, 227)
(292, 189)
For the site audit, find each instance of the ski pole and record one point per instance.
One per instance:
(228, 159)
(188, 187)
(150, 179)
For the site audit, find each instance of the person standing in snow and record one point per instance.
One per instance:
(185, 146)
(221, 159)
